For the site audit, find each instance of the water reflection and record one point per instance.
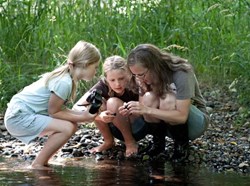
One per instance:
(48, 178)
(160, 172)
(111, 172)
(15, 172)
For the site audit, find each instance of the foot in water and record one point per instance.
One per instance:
(131, 149)
(39, 167)
(103, 147)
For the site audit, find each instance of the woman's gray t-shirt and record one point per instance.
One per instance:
(187, 87)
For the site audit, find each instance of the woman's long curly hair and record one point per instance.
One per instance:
(160, 64)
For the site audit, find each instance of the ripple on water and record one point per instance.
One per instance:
(88, 171)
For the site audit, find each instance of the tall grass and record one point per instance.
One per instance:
(37, 34)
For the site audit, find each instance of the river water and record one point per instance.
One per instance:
(112, 172)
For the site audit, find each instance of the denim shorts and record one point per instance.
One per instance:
(139, 129)
(23, 124)
(197, 123)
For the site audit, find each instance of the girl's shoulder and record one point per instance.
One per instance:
(102, 85)
(64, 77)
(63, 82)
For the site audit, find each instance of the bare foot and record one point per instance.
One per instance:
(131, 149)
(103, 147)
(39, 167)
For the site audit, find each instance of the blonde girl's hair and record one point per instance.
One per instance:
(82, 54)
(113, 63)
(160, 63)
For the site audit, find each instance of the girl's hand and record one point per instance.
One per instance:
(107, 116)
(88, 117)
(136, 108)
(123, 110)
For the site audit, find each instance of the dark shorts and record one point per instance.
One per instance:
(139, 129)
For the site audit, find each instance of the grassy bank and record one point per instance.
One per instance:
(37, 34)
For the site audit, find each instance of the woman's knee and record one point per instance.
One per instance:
(151, 100)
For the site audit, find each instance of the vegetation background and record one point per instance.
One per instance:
(36, 36)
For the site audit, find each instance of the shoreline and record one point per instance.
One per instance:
(224, 147)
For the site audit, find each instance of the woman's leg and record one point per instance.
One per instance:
(107, 136)
(59, 132)
(124, 125)
(156, 127)
(151, 100)
(179, 133)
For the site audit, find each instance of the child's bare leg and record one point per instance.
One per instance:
(123, 124)
(107, 136)
(61, 132)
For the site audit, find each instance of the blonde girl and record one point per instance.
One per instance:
(39, 109)
(115, 93)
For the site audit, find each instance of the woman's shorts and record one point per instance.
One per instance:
(139, 129)
(23, 124)
(197, 123)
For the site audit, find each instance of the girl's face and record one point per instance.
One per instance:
(86, 73)
(141, 73)
(117, 80)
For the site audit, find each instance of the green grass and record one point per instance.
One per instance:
(37, 34)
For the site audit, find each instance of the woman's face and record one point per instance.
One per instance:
(117, 80)
(141, 73)
(86, 73)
